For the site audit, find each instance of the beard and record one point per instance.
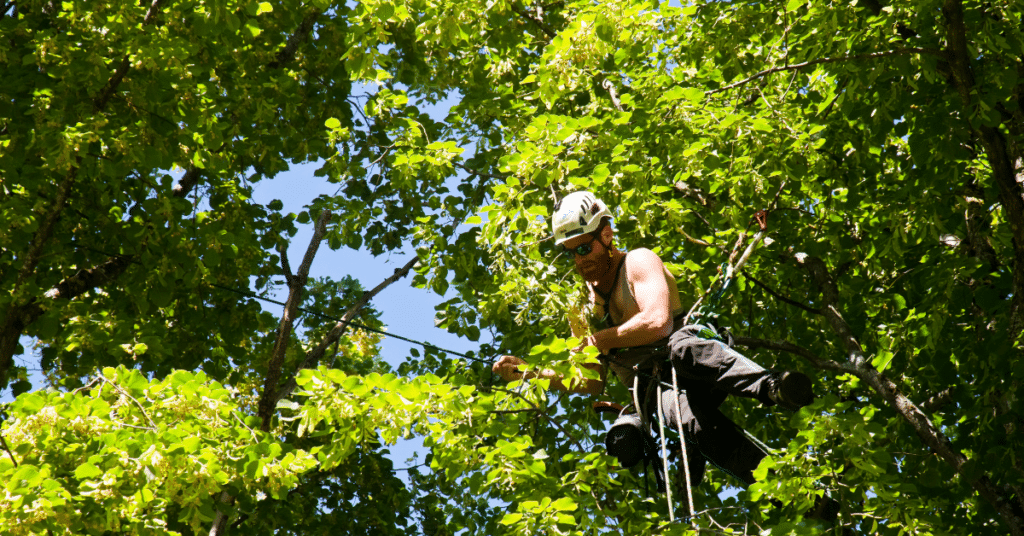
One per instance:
(594, 270)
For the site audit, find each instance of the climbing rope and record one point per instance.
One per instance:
(425, 345)
(727, 272)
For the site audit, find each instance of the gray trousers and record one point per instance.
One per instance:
(708, 371)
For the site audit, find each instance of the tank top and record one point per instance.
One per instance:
(622, 306)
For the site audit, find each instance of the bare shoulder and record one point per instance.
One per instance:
(643, 262)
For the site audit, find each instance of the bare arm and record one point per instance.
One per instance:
(654, 321)
(509, 368)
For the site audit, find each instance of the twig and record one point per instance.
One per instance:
(242, 422)
(132, 398)
(795, 66)
(541, 412)
(780, 297)
(544, 27)
(480, 173)
(9, 453)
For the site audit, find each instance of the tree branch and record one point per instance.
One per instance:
(830, 299)
(480, 173)
(786, 346)
(287, 54)
(540, 24)
(1011, 193)
(313, 356)
(286, 266)
(940, 399)
(858, 365)
(796, 66)
(101, 99)
(8, 449)
(780, 297)
(268, 399)
(11, 329)
(186, 183)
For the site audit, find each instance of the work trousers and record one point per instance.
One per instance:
(708, 371)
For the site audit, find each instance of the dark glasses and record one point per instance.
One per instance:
(582, 250)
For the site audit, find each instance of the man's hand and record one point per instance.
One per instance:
(597, 340)
(508, 368)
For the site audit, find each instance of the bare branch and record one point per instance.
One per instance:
(796, 66)
(480, 173)
(786, 346)
(540, 24)
(284, 331)
(940, 399)
(9, 453)
(314, 356)
(780, 297)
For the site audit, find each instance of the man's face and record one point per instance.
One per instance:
(593, 265)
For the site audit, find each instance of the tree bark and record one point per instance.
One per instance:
(296, 287)
(997, 152)
(858, 364)
(11, 329)
(313, 357)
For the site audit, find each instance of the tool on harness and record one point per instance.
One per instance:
(630, 443)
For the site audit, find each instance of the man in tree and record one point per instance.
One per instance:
(644, 339)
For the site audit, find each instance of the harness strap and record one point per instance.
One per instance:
(607, 298)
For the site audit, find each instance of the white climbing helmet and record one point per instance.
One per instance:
(577, 213)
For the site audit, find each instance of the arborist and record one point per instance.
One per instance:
(645, 340)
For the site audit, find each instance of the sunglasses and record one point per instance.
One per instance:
(582, 250)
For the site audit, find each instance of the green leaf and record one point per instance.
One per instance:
(86, 471)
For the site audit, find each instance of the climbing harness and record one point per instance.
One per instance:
(628, 437)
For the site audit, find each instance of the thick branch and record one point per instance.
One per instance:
(186, 183)
(797, 66)
(284, 331)
(940, 399)
(1011, 194)
(11, 329)
(939, 444)
(313, 357)
(830, 299)
(929, 434)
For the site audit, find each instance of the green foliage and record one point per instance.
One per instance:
(885, 138)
